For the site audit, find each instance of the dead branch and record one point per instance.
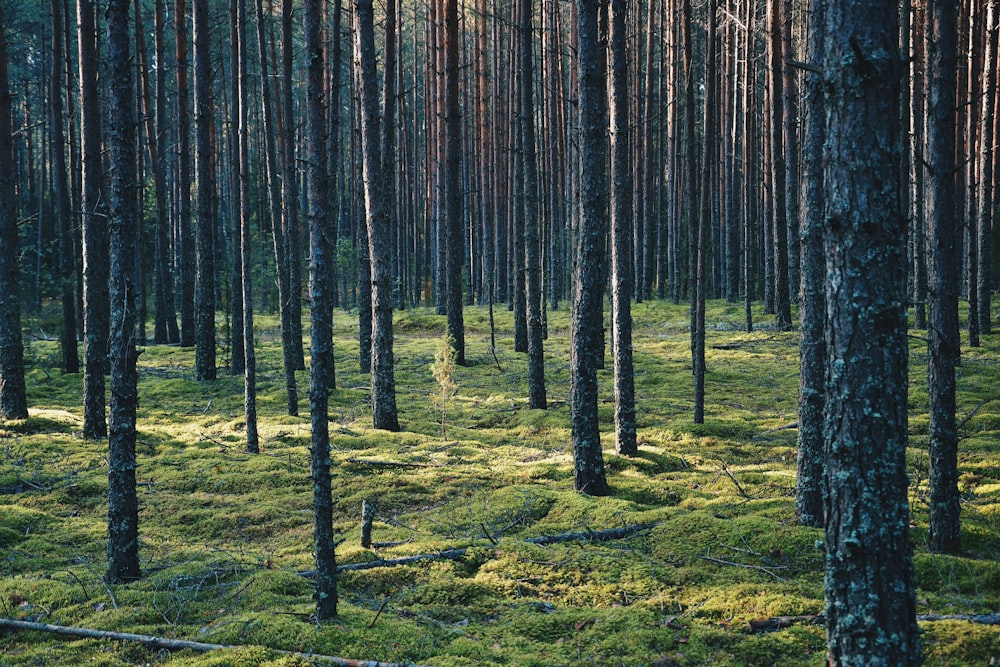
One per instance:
(592, 535)
(388, 464)
(378, 613)
(759, 568)
(736, 482)
(971, 415)
(179, 644)
(761, 435)
(779, 622)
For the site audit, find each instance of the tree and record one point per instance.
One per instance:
(453, 182)
(96, 306)
(205, 366)
(13, 401)
(782, 297)
(986, 196)
(377, 219)
(622, 221)
(290, 192)
(64, 210)
(321, 315)
(123, 506)
(186, 249)
(532, 241)
(812, 308)
(943, 245)
(870, 599)
(587, 342)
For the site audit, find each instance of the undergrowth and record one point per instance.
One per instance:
(224, 533)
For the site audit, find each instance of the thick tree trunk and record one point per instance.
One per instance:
(383, 373)
(587, 343)
(870, 596)
(123, 506)
(13, 401)
(944, 245)
(812, 309)
(205, 257)
(96, 307)
(622, 221)
(321, 370)
(453, 183)
(63, 210)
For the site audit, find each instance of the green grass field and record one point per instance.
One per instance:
(224, 533)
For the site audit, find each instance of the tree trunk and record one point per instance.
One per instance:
(383, 374)
(943, 245)
(123, 506)
(453, 183)
(96, 306)
(63, 209)
(205, 257)
(164, 316)
(13, 401)
(622, 221)
(290, 201)
(586, 343)
(870, 588)
(186, 247)
(986, 197)
(532, 239)
(321, 314)
(812, 350)
(782, 296)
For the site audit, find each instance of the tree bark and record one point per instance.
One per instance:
(204, 337)
(944, 245)
(782, 296)
(164, 316)
(123, 506)
(321, 370)
(587, 341)
(186, 246)
(383, 374)
(870, 588)
(986, 197)
(96, 306)
(453, 183)
(290, 194)
(622, 222)
(13, 401)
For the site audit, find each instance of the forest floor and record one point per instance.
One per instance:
(225, 535)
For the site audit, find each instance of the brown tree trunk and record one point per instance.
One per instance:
(164, 316)
(205, 256)
(186, 246)
(453, 183)
(986, 196)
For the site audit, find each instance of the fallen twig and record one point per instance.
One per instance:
(759, 568)
(592, 535)
(379, 611)
(739, 487)
(779, 622)
(971, 415)
(761, 435)
(388, 464)
(180, 644)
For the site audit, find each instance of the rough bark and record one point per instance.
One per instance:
(186, 245)
(532, 238)
(63, 208)
(290, 194)
(622, 222)
(164, 316)
(812, 308)
(321, 369)
(204, 336)
(587, 343)
(782, 296)
(944, 239)
(123, 506)
(986, 197)
(13, 401)
(96, 307)
(870, 599)
(453, 183)
(383, 374)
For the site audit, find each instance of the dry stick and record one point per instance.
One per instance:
(775, 430)
(180, 644)
(379, 611)
(592, 535)
(739, 487)
(779, 622)
(388, 464)
(971, 415)
(759, 568)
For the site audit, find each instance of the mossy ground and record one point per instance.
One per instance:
(224, 532)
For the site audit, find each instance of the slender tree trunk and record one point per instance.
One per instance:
(812, 346)
(13, 401)
(96, 306)
(63, 209)
(782, 296)
(186, 246)
(532, 239)
(290, 193)
(123, 506)
(622, 221)
(164, 317)
(321, 314)
(383, 374)
(205, 257)
(917, 169)
(453, 182)
(944, 245)
(870, 587)
(586, 344)
(986, 197)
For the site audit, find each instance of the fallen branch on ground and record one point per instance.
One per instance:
(779, 622)
(180, 644)
(388, 464)
(759, 568)
(592, 535)
(761, 435)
